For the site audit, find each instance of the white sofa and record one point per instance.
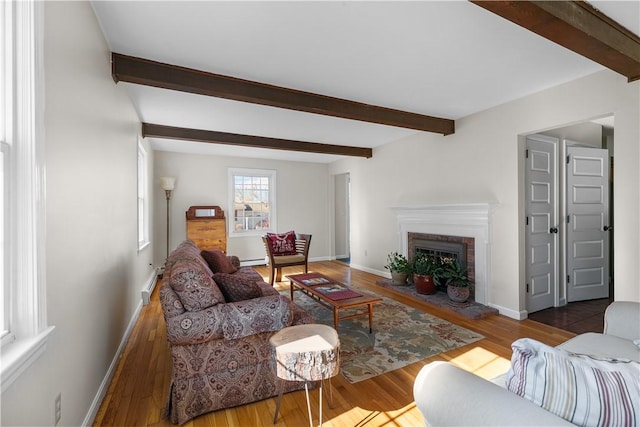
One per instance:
(449, 396)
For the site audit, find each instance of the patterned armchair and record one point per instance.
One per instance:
(219, 339)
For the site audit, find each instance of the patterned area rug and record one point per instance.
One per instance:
(401, 336)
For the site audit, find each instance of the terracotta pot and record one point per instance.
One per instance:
(458, 293)
(424, 284)
(398, 278)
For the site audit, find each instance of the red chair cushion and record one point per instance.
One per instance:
(282, 244)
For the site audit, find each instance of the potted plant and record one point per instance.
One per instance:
(425, 270)
(399, 267)
(457, 281)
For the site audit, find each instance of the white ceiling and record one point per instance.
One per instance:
(446, 59)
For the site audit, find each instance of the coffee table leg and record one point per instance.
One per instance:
(335, 318)
(370, 318)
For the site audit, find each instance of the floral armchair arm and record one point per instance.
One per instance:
(231, 320)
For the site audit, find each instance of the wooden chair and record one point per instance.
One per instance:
(277, 262)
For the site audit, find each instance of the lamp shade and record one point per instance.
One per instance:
(167, 182)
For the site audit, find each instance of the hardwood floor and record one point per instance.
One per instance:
(138, 391)
(577, 317)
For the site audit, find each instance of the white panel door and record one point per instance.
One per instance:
(542, 231)
(588, 227)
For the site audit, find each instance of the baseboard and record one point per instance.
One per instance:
(517, 315)
(262, 261)
(104, 386)
(371, 270)
(150, 284)
(252, 262)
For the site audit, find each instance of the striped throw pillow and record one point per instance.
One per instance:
(583, 389)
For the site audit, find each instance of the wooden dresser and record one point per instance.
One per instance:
(206, 226)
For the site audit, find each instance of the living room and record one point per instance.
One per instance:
(94, 270)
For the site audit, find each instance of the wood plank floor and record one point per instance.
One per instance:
(138, 391)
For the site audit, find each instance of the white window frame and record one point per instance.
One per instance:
(5, 291)
(271, 174)
(143, 197)
(22, 56)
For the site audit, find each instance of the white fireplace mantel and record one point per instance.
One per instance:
(460, 219)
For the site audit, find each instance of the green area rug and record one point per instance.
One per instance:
(401, 336)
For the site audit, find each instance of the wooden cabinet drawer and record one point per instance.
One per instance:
(208, 234)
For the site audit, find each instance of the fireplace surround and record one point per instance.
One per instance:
(469, 223)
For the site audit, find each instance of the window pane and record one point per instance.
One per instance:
(251, 202)
(4, 309)
(143, 210)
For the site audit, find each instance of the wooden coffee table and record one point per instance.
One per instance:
(333, 295)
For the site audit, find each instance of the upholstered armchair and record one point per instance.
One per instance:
(297, 253)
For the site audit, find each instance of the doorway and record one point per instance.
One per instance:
(342, 202)
(568, 221)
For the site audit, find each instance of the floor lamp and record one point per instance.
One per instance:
(168, 183)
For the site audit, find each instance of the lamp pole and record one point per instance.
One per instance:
(168, 194)
(168, 184)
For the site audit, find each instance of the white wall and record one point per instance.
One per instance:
(304, 200)
(94, 272)
(479, 163)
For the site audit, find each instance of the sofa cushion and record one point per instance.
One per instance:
(583, 389)
(282, 244)
(193, 285)
(186, 250)
(218, 261)
(602, 345)
(266, 314)
(234, 288)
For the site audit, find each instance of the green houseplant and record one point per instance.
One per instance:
(457, 280)
(425, 271)
(399, 267)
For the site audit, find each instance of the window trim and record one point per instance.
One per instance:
(269, 173)
(5, 330)
(22, 49)
(144, 188)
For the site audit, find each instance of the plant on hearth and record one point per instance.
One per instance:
(397, 262)
(425, 270)
(399, 267)
(455, 275)
(457, 280)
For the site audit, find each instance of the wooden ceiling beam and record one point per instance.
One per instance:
(579, 27)
(215, 137)
(151, 73)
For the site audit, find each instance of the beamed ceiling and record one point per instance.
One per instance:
(315, 81)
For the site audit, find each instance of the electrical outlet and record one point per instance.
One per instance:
(58, 408)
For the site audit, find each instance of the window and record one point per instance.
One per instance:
(143, 199)
(4, 289)
(23, 211)
(252, 195)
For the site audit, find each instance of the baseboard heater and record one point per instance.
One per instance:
(150, 285)
(251, 262)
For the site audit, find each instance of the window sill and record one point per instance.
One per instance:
(250, 233)
(142, 246)
(19, 355)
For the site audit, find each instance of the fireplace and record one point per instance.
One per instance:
(459, 230)
(460, 249)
